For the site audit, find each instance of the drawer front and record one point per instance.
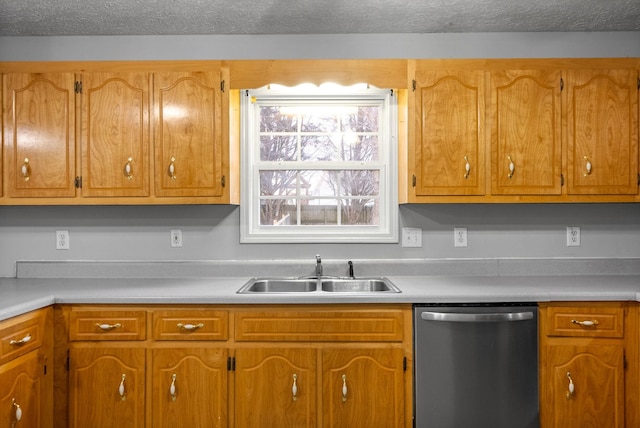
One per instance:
(320, 326)
(21, 334)
(107, 325)
(190, 325)
(586, 322)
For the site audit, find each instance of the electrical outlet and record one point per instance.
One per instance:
(411, 237)
(573, 236)
(460, 236)
(62, 240)
(176, 238)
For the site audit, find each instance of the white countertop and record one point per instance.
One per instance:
(20, 295)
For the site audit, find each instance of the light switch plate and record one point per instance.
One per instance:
(411, 237)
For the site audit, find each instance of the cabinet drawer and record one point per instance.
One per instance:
(107, 325)
(320, 326)
(190, 325)
(586, 321)
(21, 334)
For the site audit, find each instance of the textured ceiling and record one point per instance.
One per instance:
(209, 17)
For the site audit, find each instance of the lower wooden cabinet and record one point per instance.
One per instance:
(253, 366)
(589, 365)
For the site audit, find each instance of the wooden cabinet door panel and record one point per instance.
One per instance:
(602, 115)
(597, 374)
(363, 388)
(22, 385)
(526, 137)
(450, 133)
(39, 120)
(115, 134)
(189, 388)
(264, 396)
(95, 377)
(188, 134)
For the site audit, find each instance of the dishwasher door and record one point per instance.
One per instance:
(476, 366)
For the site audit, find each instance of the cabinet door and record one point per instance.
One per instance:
(189, 388)
(526, 136)
(602, 115)
(275, 388)
(597, 375)
(39, 121)
(363, 388)
(21, 395)
(449, 143)
(115, 134)
(188, 134)
(107, 387)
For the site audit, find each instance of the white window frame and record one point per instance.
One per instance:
(250, 229)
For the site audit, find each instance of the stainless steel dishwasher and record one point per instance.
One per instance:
(476, 366)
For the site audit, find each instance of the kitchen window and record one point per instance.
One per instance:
(319, 164)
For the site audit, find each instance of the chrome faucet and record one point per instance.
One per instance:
(318, 266)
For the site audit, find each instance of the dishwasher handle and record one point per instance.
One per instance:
(486, 317)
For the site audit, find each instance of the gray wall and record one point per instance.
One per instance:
(212, 232)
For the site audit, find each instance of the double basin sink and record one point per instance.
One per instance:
(328, 284)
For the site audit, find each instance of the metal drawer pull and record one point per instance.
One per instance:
(586, 323)
(189, 327)
(587, 166)
(512, 167)
(18, 413)
(344, 388)
(172, 168)
(128, 169)
(121, 390)
(572, 387)
(107, 327)
(467, 167)
(294, 388)
(172, 388)
(21, 342)
(25, 170)
(489, 317)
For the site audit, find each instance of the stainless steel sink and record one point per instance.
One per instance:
(306, 285)
(279, 285)
(359, 285)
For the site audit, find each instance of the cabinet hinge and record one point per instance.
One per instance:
(231, 364)
(223, 181)
(561, 180)
(78, 182)
(404, 364)
(413, 181)
(413, 84)
(561, 84)
(77, 87)
(222, 86)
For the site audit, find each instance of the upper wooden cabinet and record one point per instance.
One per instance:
(188, 134)
(448, 147)
(602, 131)
(88, 137)
(115, 134)
(39, 135)
(526, 137)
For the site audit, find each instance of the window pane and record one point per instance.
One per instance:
(319, 183)
(320, 118)
(278, 212)
(360, 182)
(364, 119)
(278, 182)
(278, 148)
(319, 212)
(360, 212)
(360, 148)
(318, 148)
(277, 119)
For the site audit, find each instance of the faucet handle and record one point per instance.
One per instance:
(318, 259)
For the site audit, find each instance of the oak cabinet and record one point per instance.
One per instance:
(602, 128)
(39, 134)
(526, 137)
(26, 395)
(449, 144)
(589, 365)
(115, 134)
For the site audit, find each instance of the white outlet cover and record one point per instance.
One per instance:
(411, 237)
(573, 236)
(459, 236)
